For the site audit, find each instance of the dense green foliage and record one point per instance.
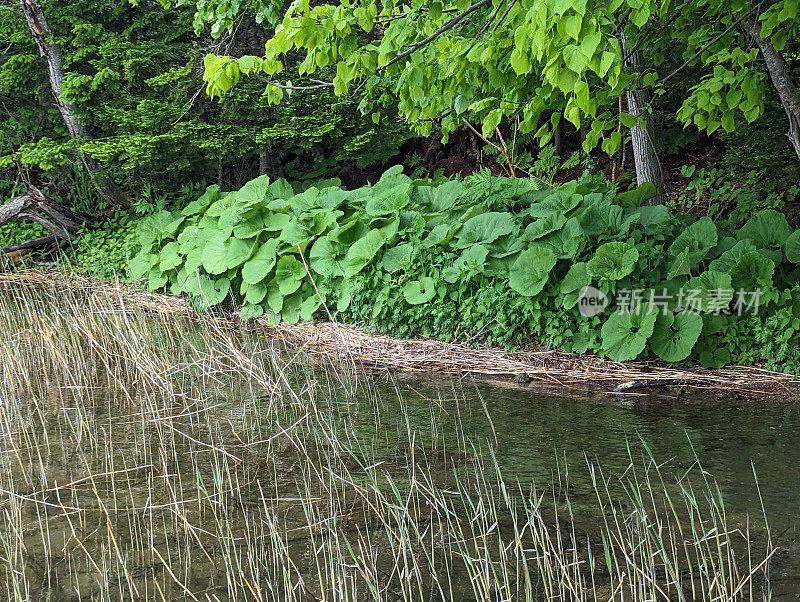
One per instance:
(486, 258)
(135, 74)
(492, 61)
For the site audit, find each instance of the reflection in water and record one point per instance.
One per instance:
(157, 460)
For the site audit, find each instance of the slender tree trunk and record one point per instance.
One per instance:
(782, 80)
(43, 36)
(645, 157)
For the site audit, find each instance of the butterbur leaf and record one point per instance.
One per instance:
(294, 233)
(485, 228)
(169, 257)
(792, 248)
(674, 335)
(261, 263)
(531, 270)
(752, 271)
(544, 225)
(154, 228)
(250, 312)
(715, 359)
(141, 264)
(325, 258)
(214, 255)
(417, 292)
(255, 293)
(680, 266)
(290, 313)
(728, 260)
(710, 292)
(289, 274)
(653, 216)
(362, 252)
(250, 227)
(565, 241)
(576, 278)
(309, 306)
(274, 296)
(397, 258)
(698, 238)
(473, 258)
(637, 196)
(275, 222)
(237, 252)
(281, 189)
(768, 229)
(199, 205)
(624, 335)
(212, 292)
(388, 202)
(613, 261)
(252, 193)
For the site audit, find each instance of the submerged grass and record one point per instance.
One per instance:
(152, 458)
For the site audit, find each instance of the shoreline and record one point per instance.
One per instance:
(337, 343)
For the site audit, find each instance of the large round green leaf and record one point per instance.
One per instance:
(674, 335)
(728, 260)
(576, 278)
(485, 228)
(258, 267)
(709, 292)
(169, 258)
(768, 229)
(212, 292)
(752, 271)
(612, 261)
(362, 251)
(214, 255)
(238, 251)
(544, 225)
(698, 238)
(531, 270)
(624, 335)
(389, 201)
(289, 274)
(417, 292)
(142, 264)
(565, 241)
(326, 258)
(792, 248)
(397, 258)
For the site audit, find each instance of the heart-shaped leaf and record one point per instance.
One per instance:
(674, 335)
(624, 335)
(531, 270)
(417, 292)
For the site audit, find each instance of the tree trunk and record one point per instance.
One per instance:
(62, 223)
(782, 80)
(645, 157)
(269, 163)
(43, 36)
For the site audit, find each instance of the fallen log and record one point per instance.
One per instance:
(30, 245)
(62, 223)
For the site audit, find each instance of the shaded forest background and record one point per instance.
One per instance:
(135, 74)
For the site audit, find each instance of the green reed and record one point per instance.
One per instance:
(149, 457)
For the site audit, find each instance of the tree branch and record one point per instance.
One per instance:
(446, 27)
(730, 28)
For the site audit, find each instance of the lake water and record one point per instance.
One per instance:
(181, 467)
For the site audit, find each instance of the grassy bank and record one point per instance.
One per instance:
(147, 457)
